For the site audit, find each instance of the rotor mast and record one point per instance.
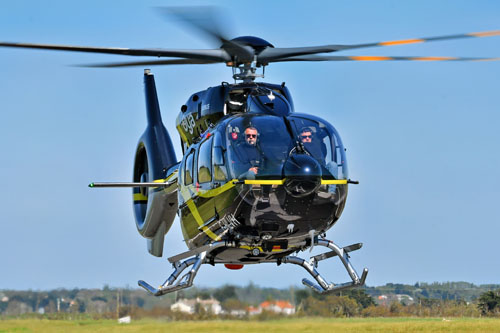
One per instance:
(247, 72)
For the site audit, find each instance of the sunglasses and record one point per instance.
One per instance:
(251, 135)
(306, 136)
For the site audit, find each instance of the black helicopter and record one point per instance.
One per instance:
(258, 181)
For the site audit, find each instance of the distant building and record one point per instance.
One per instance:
(283, 307)
(404, 298)
(189, 305)
(253, 310)
(183, 305)
(401, 298)
(238, 313)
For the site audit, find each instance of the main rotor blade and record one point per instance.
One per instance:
(153, 63)
(424, 39)
(271, 54)
(204, 20)
(209, 54)
(380, 58)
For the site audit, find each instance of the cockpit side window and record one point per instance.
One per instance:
(205, 162)
(218, 158)
(188, 169)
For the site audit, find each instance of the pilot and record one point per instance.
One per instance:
(249, 153)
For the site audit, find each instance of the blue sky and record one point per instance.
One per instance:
(421, 137)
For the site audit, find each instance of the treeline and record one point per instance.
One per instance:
(347, 306)
(444, 291)
(449, 299)
(358, 303)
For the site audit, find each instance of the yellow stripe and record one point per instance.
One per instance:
(250, 248)
(369, 58)
(282, 181)
(198, 219)
(185, 192)
(333, 181)
(400, 42)
(181, 132)
(264, 182)
(165, 179)
(433, 58)
(186, 195)
(140, 197)
(230, 184)
(485, 33)
(216, 191)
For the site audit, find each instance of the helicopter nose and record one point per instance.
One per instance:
(302, 175)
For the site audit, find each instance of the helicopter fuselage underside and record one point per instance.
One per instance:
(265, 220)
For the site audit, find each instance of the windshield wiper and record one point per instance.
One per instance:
(299, 146)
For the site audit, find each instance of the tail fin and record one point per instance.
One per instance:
(154, 208)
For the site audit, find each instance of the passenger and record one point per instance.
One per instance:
(317, 149)
(312, 146)
(306, 135)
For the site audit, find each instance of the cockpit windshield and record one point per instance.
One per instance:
(322, 142)
(258, 145)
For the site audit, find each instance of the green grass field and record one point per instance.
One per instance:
(288, 326)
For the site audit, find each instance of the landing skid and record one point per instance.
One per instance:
(202, 256)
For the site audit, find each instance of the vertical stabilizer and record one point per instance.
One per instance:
(154, 208)
(163, 153)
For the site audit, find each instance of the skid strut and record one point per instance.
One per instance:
(199, 257)
(310, 267)
(185, 281)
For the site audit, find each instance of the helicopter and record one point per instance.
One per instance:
(229, 216)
